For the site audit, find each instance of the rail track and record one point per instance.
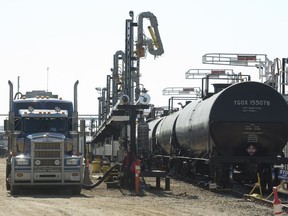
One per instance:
(268, 199)
(246, 192)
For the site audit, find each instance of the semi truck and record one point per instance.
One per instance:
(43, 142)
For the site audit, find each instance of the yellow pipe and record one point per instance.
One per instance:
(153, 36)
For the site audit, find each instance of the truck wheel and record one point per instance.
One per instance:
(8, 176)
(8, 186)
(14, 190)
(76, 190)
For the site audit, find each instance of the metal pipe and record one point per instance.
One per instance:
(284, 61)
(75, 96)
(108, 96)
(18, 86)
(99, 110)
(12, 136)
(11, 95)
(83, 136)
(154, 23)
(11, 120)
(103, 105)
(117, 83)
(75, 112)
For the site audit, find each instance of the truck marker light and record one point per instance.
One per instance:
(57, 109)
(30, 109)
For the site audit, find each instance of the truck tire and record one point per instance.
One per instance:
(8, 176)
(14, 190)
(76, 189)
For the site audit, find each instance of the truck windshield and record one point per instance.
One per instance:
(57, 125)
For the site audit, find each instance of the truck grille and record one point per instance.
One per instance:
(44, 146)
(50, 162)
(47, 153)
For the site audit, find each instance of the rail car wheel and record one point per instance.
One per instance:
(192, 170)
(170, 165)
(222, 176)
(185, 169)
(178, 168)
(266, 179)
(276, 181)
(251, 173)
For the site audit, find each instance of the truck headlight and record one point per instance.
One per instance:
(37, 162)
(72, 161)
(57, 162)
(22, 161)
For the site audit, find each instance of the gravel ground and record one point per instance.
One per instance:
(182, 199)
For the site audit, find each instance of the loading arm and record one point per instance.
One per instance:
(153, 43)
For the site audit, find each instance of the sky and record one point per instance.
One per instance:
(77, 39)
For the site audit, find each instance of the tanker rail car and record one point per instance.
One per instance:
(230, 136)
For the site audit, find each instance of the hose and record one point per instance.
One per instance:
(89, 187)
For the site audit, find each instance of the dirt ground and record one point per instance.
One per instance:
(182, 199)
